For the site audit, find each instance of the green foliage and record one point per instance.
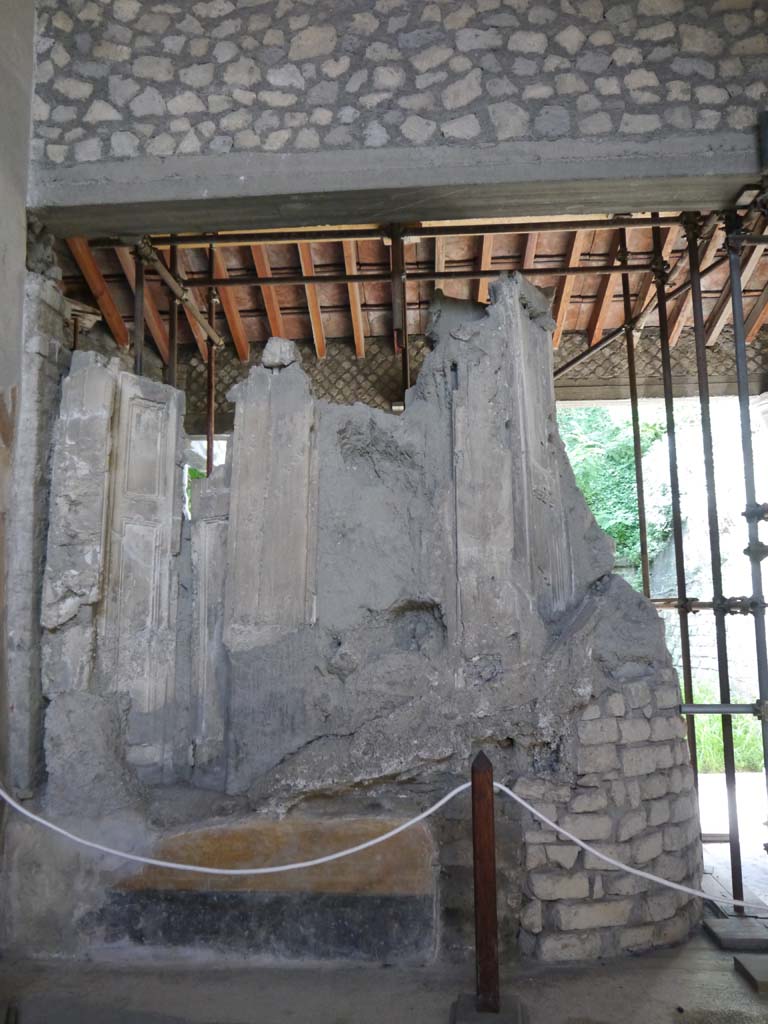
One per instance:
(193, 474)
(602, 455)
(747, 737)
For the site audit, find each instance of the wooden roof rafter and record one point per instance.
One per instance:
(268, 295)
(355, 308)
(484, 263)
(565, 285)
(720, 312)
(680, 314)
(605, 294)
(313, 302)
(86, 263)
(231, 311)
(152, 317)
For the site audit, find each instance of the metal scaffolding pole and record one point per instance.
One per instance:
(636, 440)
(699, 333)
(660, 275)
(753, 512)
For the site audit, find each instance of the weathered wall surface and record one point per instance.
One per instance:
(398, 592)
(16, 83)
(129, 77)
(45, 358)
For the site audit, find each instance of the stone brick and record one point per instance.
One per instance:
(588, 800)
(588, 826)
(646, 760)
(635, 730)
(647, 848)
(157, 69)
(667, 696)
(683, 808)
(467, 127)
(595, 914)
(597, 759)
(563, 855)
(658, 812)
(674, 930)
(631, 825)
(314, 41)
(637, 694)
(653, 786)
(602, 730)
(615, 705)
(550, 885)
(638, 939)
(464, 91)
(527, 42)
(531, 917)
(535, 856)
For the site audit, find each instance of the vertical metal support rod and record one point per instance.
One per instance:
(399, 303)
(173, 324)
(484, 859)
(660, 275)
(211, 371)
(138, 318)
(636, 440)
(742, 377)
(714, 549)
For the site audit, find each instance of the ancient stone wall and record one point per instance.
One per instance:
(45, 358)
(16, 69)
(359, 603)
(121, 78)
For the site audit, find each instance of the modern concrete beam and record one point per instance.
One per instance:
(395, 183)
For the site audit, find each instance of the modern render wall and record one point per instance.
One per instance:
(217, 97)
(16, 70)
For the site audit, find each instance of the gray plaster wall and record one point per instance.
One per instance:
(16, 84)
(228, 98)
(397, 592)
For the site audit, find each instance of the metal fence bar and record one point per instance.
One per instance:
(484, 863)
(660, 275)
(729, 758)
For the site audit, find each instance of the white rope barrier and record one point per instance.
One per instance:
(350, 851)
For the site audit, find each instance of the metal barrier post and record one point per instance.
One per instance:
(484, 859)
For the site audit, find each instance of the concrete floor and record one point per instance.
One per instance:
(694, 984)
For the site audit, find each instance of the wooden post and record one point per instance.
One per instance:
(211, 372)
(173, 323)
(484, 855)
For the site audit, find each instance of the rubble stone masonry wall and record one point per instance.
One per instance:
(116, 79)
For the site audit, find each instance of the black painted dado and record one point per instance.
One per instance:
(291, 925)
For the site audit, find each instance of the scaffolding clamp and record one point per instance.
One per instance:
(761, 709)
(756, 513)
(757, 551)
(739, 605)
